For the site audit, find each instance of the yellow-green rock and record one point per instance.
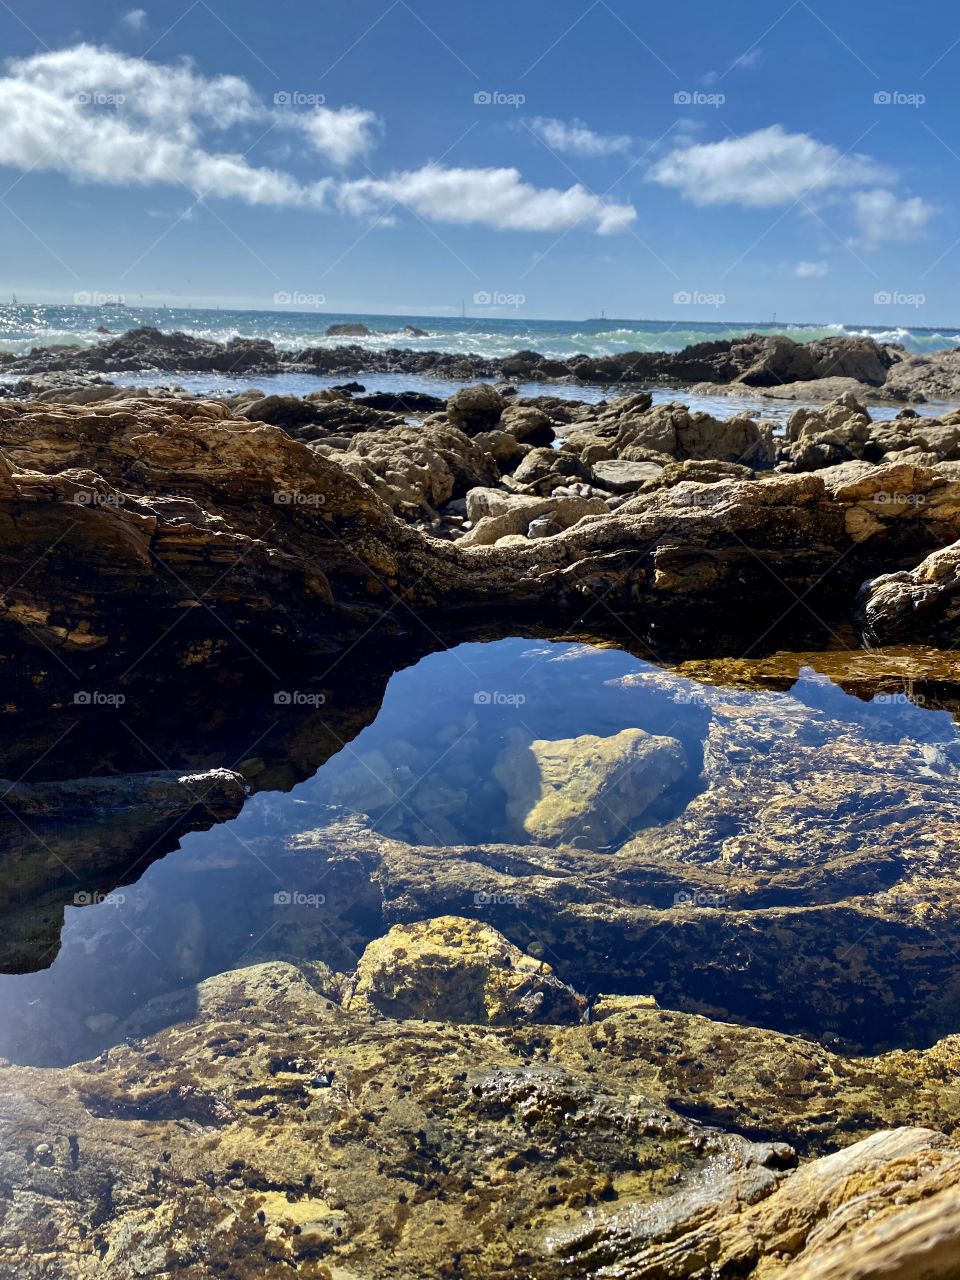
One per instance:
(455, 970)
(587, 791)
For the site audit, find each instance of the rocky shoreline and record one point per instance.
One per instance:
(774, 367)
(494, 1065)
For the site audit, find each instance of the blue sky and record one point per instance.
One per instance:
(651, 160)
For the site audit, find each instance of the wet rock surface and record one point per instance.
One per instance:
(456, 970)
(271, 1131)
(689, 1013)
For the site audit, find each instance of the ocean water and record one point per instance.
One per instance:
(23, 326)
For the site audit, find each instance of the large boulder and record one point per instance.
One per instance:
(528, 423)
(589, 790)
(475, 409)
(461, 971)
(543, 470)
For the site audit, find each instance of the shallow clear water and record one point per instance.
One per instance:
(442, 764)
(302, 384)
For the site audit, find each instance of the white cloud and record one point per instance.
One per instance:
(487, 197)
(136, 19)
(881, 216)
(763, 169)
(577, 138)
(100, 116)
(810, 270)
(341, 135)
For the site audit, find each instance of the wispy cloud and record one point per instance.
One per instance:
(810, 270)
(881, 216)
(577, 138)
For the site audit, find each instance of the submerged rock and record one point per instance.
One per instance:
(589, 791)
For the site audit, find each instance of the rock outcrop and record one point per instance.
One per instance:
(261, 1128)
(766, 364)
(921, 603)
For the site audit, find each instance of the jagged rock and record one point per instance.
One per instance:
(543, 470)
(922, 603)
(496, 514)
(631, 430)
(503, 447)
(414, 466)
(528, 423)
(821, 1221)
(476, 409)
(402, 401)
(703, 471)
(454, 970)
(586, 791)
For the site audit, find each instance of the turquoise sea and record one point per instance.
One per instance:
(24, 325)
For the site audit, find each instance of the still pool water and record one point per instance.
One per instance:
(732, 789)
(304, 384)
